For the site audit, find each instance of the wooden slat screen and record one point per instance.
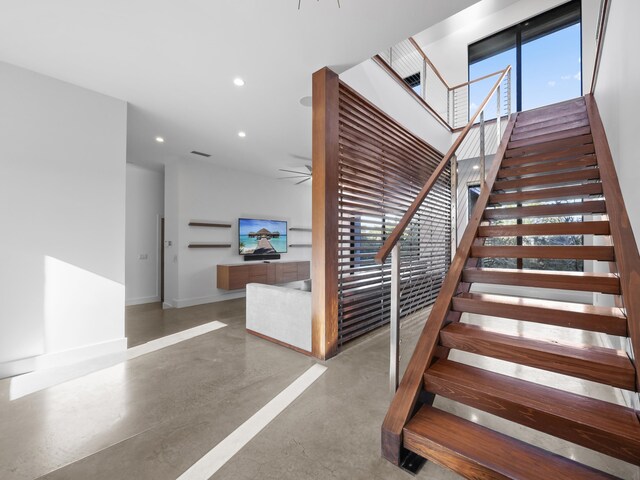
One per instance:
(382, 167)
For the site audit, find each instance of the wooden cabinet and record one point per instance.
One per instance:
(236, 276)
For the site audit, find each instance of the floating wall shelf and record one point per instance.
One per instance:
(198, 223)
(209, 245)
(294, 245)
(294, 229)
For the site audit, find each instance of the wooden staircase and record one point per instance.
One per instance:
(552, 153)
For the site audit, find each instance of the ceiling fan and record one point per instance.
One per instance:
(306, 176)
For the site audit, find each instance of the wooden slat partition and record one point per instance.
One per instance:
(406, 396)
(324, 254)
(624, 242)
(381, 169)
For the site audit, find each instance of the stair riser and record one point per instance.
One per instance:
(592, 323)
(557, 426)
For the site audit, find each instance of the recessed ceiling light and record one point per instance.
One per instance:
(238, 82)
(476, 167)
(159, 139)
(242, 134)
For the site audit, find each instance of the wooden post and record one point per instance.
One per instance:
(324, 309)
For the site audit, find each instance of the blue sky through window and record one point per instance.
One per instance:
(551, 71)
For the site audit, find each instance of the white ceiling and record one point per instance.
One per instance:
(175, 61)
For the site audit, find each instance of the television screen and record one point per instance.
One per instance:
(261, 237)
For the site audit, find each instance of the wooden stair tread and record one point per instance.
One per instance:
(597, 364)
(581, 281)
(549, 179)
(574, 208)
(572, 191)
(549, 112)
(549, 166)
(579, 252)
(610, 320)
(534, 130)
(552, 122)
(550, 146)
(606, 427)
(533, 229)
(556, 155)
(477, 452)
(530, 140)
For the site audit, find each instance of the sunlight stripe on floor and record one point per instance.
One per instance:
(172, 339)
(227, 448)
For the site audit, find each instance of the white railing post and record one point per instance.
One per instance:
(482, 153)
(394, 341)
(454, 205)
(423, 80)
(498, 114)
(509, 93)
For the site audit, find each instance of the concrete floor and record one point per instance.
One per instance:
(154, 416)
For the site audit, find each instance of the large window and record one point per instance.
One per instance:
(544, 53)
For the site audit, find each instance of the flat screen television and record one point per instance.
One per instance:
(262, 237)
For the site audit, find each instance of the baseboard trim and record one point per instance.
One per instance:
(279, 342)
(17, 367)
(81, 354)
(142, 300)
(191, 302)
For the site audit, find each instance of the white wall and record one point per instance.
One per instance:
(618, 97)
(62, 204)
(373, 83)
(197, 190)
(145, 208)
(446, 44)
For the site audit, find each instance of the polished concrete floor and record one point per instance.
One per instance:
(154, 416)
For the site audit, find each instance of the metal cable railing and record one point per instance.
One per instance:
(416, 242)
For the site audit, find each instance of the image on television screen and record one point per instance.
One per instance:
(262, 237)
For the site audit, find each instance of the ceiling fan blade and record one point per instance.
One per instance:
(296, 176)
(309, 168)
(292, 171)
(302, 181)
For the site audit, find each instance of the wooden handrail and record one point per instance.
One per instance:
(429, 62)
(602, 28)
(405, 398)
(392, 239)
(380, 61)
(484, 77)
(624, 242)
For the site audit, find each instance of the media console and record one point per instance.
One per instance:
(236, 275)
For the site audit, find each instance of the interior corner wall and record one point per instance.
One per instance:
(197, 190)
(145, 209)
(374, 84)
(618, 99)
(62, 204)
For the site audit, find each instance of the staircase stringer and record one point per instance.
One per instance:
(404, 401)
(627, 258)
